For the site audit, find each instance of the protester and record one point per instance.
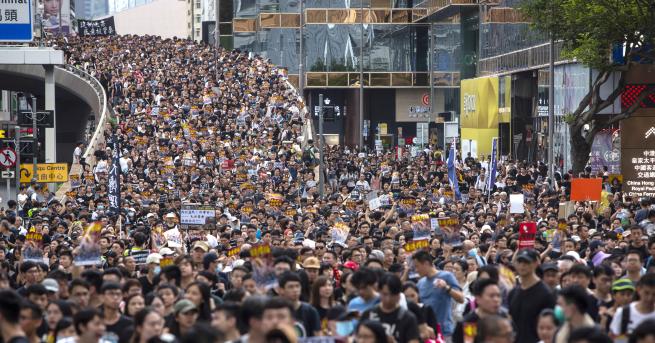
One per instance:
(201, 201)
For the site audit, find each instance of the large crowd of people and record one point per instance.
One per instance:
(222, 234)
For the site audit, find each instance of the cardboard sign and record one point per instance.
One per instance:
(416, 245)
(421, 226)
(586, 189)
(516, 203)
(527, 233)
(260, 250)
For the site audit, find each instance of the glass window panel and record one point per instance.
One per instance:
(354, 79)
(332, 47)
(337, 3)
(289, 20)
(226, 10)
(442, 79)
(244, 41)
(501, 38)
(380, 79)
(447, 47)
(293, 79)
(418, 14)
(343, 16)
(315, 16)
(244, 25)
(226, 29)
(316, 79)
(396, 48)
(401, 79)
(379, 16)
(380, 3)
(456, 79)
(337, 79)
(245, 8)
(269, 20)
(401, 16)
(281, 46)
(421, 79)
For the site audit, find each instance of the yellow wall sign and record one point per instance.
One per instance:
(46, 172)
(479, 114)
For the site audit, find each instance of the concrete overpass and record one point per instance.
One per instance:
(77, 96)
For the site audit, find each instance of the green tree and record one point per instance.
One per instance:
(588, 29)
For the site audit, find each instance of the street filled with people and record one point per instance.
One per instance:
(201, 218)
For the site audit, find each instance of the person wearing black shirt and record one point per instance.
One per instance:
(488, 300)
(399, 323)
(10, 304)
(116, 323)
(529, 298)
(290, 288)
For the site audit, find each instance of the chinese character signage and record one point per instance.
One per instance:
(114, 182)
(638, 156)
(196, 215)
(15, 21)
(102, 27)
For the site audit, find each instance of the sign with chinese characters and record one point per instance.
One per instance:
(196, 215)
(16, 21)
(638, 156)
(102, 27)
(114, 181)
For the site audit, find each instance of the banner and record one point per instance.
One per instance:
(102, 27)
(491, 181)
(114, 182)
(606, 152)
(55, 16)
(527, 233)
(452, 173)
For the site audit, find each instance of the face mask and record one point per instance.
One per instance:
(473, 252)
(345, 329)
(219, 268)
(157, 270)
(559, 314)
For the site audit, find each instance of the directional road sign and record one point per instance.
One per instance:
(8, 157)
(7, 174)
(47, 172)
(16, 22)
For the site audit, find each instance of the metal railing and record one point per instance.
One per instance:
(98, 133)
(307, 122)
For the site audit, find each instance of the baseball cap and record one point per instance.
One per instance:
(528, 255)
(50, 285)
(595, 244)
(202, 245)
(184, 306)
(622, 285)
(166, 251)
(549, 266)
(153, 258)
(311, 263)
(351, 265)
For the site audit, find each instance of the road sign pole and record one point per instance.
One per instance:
(35, 136)
(17, 137)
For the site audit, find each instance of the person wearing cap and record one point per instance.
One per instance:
(551, 275)
(622, 291)
(169, 221)
(185, 316)
(198, 250)
(52, 286)
(311, 266)
(637, 311)
(148, 280)
(531, 296)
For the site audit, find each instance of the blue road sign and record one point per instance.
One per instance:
(16, 22)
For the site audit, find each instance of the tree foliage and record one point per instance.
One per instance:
(588, 30)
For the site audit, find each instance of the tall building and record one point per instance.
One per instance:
(90, 9)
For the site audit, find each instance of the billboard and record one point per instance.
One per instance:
(479, 114)
(55, 16)
(638, 156)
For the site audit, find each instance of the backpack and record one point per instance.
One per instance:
(625, 319)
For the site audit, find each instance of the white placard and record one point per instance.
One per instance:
(516, 203)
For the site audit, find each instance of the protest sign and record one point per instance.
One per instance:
(32, 249)
(449, 227)
(262, 262)
(421, 226)
(527, 233)
(586, 189)
(89, 250)
(340, 232)
(516, 203)
(407, 205)
(194, 214)
(173, 238)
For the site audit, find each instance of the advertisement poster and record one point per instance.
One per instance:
(527, 233)
(55, 16)
(89, 253)
(606, 152)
